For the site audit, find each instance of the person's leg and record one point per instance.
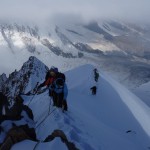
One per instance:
(1, 109)
(60, 99)
(54, 97)
(65, 106)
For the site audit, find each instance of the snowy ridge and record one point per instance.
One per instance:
(113, 119)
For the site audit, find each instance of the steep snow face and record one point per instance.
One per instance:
(113, 119)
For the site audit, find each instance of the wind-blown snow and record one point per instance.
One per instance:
(114, 119)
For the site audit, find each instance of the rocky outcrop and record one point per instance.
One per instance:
(61, 134)
(25, 79)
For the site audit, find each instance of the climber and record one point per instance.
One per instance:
(94, 89)
(96, 75)
(60, 92)
(51, 76)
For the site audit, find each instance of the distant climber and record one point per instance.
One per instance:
(56, 93)
(94, 89)
(96, 75)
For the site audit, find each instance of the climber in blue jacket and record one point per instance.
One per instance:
(60, 93)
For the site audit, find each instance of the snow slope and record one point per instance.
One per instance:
(114, 119)
(143, 92)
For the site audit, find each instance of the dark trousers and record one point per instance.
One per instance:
(58, 100)
(65, 106)
(1, 109)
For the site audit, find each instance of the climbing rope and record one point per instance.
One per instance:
(45, 118)
(36, 145)
(36, 90)
(34, 96)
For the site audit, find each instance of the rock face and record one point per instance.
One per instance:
(3, 78)
(61, 134)
(25, 79)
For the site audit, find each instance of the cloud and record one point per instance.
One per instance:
(136, 10)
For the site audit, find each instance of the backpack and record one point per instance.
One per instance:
(61, 75)
(60, 83)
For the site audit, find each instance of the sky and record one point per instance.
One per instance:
(136, 10)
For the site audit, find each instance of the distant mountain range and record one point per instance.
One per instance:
(113, 46)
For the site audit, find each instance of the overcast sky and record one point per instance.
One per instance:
(88, 9)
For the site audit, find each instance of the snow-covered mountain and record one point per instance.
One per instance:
(113, 119)
(119, 48)
(24, 80)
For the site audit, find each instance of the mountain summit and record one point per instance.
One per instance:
(25, 79)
